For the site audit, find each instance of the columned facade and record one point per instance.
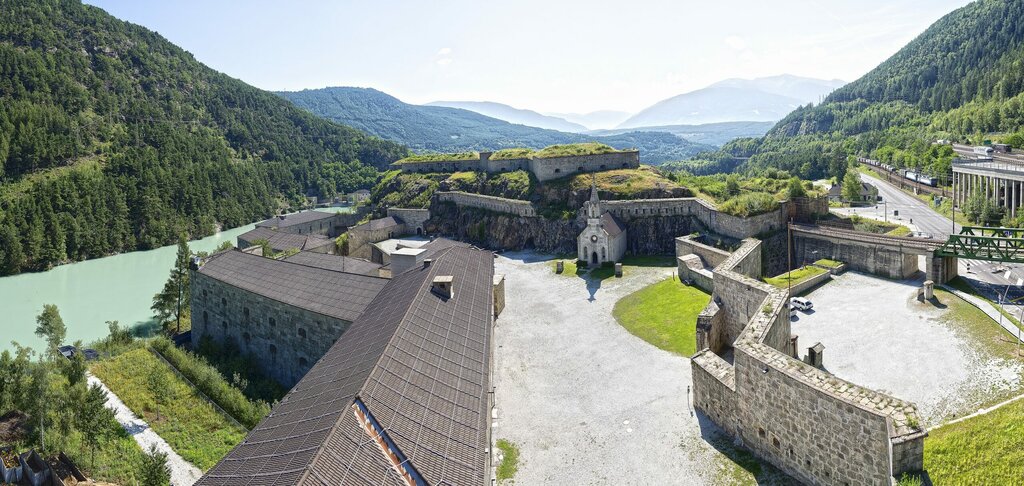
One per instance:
(1001, 183)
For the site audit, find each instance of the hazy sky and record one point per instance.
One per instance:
(545, 55)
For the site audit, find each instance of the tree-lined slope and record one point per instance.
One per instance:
(961, 79)
(113, 139)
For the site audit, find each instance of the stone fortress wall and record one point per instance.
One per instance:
(289, 339)
(543, 168)
(812, 425)
(515, 207)
(414, 219)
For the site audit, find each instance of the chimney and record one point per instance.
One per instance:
(443, 285)
(485, 156)
(427, 262)
(282, 216)
(404, 259)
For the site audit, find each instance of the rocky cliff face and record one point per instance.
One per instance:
(496, 231)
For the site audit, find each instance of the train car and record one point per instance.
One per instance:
(1002, 148)
(983, 150)
(923, 179)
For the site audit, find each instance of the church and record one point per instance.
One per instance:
(604, 238)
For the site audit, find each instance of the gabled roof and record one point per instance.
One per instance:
(335, 263)
(611, 224)
(335, 294)
(418, 362)
(381, 223)
(296, 218)
(282, 240)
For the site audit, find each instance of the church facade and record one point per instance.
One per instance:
(604, 238)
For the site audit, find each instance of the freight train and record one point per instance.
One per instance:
(909, 175)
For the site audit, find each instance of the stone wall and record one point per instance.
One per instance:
(362, 237)
(429, 167)
(288, 339)
(502, 165)
(712, 219)
(812, 425)
(414, 219)
(489, 203)
(711, 256)
(874, 258)
(811, 283)
(503, 231)
(548, 168)
(499, 294)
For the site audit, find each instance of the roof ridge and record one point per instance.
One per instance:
(376, 363)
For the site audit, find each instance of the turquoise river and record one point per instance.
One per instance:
(115, 288)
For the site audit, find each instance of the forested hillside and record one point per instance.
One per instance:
(113, 139)
(962, 79)
(443, 129)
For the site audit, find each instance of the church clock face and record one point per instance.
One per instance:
(593, 238)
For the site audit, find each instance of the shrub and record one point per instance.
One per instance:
(749, 204)
(211, 383)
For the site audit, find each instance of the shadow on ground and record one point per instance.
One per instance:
(762, 472)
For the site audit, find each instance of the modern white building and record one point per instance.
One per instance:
(604, 238)
(1001, 182)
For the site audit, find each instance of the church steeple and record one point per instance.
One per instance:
(594, 205)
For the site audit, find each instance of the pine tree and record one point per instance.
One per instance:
(154, 468)
(176, 296)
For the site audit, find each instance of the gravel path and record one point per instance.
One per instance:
(586, 401)
(183, 473)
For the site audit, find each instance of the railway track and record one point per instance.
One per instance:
(904, 183)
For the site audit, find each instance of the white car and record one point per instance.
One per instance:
(800, 303)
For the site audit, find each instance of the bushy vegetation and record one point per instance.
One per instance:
(190, 424)
(442, 129)
(112, 139)
(210, 382)
(512, 153)
(663, 314)
(241, 369)
(627, 183)
(749, 204)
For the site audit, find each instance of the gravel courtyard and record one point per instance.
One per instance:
(877, 334)
(586, 401)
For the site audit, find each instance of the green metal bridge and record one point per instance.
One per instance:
(985, 243)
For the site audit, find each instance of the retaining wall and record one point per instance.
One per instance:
(548, 168)
(414, 219)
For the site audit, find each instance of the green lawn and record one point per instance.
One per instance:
(190, 424)
(825, 262)
(988, 449)
(797, 276)
(663, 314)
(962, 285)
(509, 461)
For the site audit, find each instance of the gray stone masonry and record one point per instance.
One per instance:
(816, 427)
(289, 339)
(414, 219)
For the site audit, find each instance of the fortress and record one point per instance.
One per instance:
(543, 168)
(354, 337)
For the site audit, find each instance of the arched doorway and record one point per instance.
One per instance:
(419, 231)
(593, 258)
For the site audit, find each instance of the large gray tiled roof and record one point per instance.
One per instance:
(335, 294)
(296, 218)
(280, 240)
(420, 365)
(335, 263)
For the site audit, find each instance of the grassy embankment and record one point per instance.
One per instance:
(960, 284)
(663, 314)
(190, 424)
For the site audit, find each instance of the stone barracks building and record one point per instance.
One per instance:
(392, 376)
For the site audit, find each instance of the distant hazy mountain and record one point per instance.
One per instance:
(595, 120)
(761, 99)
(513, 115)
(443, 129)
(716, 134)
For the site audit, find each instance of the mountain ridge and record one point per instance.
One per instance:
(514, 115)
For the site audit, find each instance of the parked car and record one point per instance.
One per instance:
(800, 303)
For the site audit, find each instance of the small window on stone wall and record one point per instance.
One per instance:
(206, 319)
(204, 292)
(273, 323)
(245, 312)
(776, 443)
(224, 324)
(558, 171)
(303, 363)
(223, 302)
(761, 433)
(302, 333)
(603, 167)
(246, 337)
